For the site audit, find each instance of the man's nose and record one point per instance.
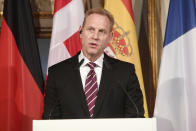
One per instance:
(96, 35)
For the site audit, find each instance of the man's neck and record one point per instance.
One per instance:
(92, 58)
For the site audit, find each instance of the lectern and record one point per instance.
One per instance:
(122, 124)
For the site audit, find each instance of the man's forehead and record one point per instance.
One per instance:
(96, 15)
(97, 19)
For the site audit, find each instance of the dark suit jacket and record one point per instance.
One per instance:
(65, 98)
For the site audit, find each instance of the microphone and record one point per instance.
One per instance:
(106, 63)
(79, 64)
(130, 99)
(52, 110)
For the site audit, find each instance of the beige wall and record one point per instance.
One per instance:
(164, 12)
(137, 8)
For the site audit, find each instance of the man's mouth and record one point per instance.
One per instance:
(93, 45)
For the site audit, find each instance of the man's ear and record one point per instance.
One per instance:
(111, 35)
(80, 30)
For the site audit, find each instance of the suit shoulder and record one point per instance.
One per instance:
(120, 63)
(59, 66)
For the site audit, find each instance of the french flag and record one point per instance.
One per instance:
(175, 106)
(65, 41)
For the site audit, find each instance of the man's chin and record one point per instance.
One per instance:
(94, 54)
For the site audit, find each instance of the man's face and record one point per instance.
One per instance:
(95, 35)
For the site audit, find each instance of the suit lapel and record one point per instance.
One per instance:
(104, 84)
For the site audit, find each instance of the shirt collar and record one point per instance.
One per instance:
(98, 62)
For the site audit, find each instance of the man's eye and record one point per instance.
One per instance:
(102, 32)
(91, 29)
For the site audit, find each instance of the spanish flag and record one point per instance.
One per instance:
(124, 45)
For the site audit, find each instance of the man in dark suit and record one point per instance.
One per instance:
(92, 84)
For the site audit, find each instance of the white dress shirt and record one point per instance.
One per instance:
(84, 68)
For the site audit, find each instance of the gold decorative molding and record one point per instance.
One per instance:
(42, 13)
(43, 24)
(152, 37)
(154, 40)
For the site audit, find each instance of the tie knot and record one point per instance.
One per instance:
(91, 65)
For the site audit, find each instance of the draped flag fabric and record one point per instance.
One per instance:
(65, 41)
(21, 81)
(124, 45)
(175, 106)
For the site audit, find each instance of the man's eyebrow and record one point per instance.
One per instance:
(103, 30)
(89, 27)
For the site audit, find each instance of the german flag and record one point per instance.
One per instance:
(21, 80)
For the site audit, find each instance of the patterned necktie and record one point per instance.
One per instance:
(91, 88)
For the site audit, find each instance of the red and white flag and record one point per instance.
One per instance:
(65, 41)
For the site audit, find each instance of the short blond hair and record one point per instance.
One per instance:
(100, 11)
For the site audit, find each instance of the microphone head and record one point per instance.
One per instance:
(79, 64)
